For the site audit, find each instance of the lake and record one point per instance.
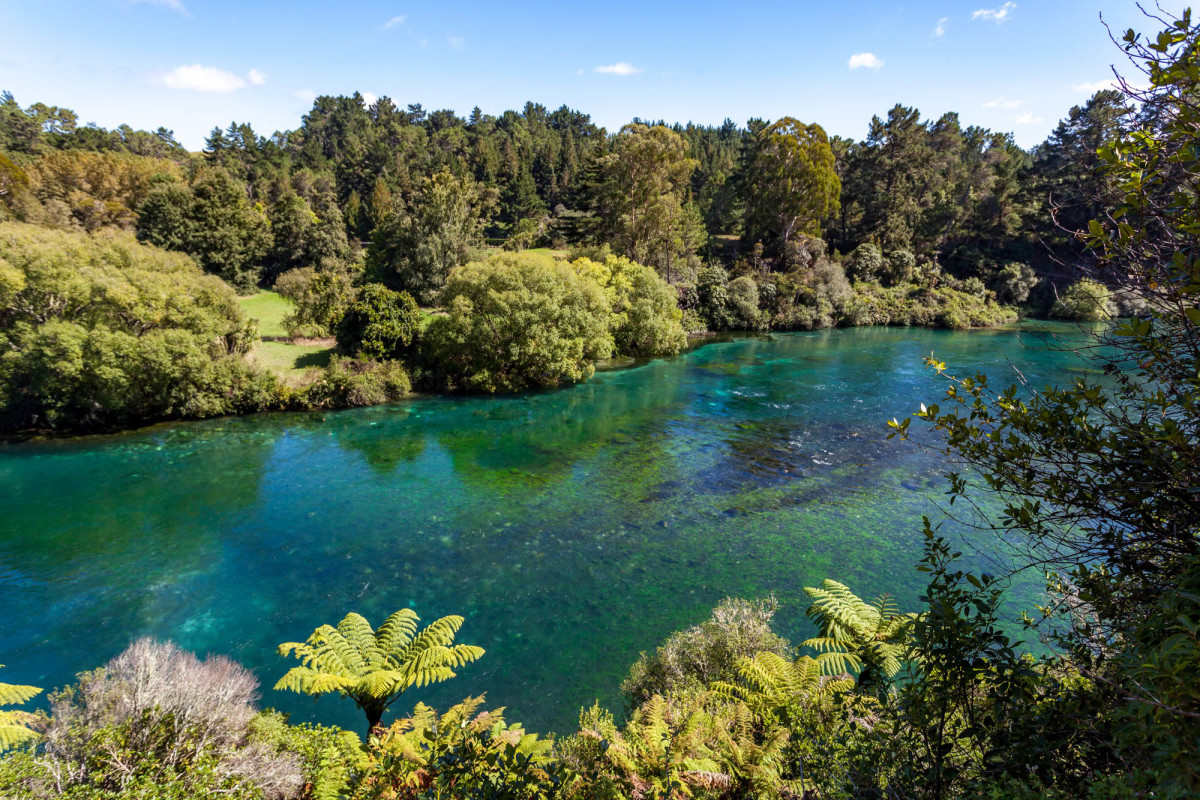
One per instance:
(572, 528)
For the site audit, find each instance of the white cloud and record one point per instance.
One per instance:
(369, 99)
(174, 5)
(307, 95)
(1001, 102)
(394, 21)
(456, 42)
(940, 30)
(868, 60)
(199, 78)
(1027, 119)
(619, 68)
(994, 14)
(1092, 88)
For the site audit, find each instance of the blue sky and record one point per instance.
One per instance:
(191, 64)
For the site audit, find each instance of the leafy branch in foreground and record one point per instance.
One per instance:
(374, 667)
(15, 725)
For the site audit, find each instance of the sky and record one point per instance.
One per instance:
(188, 65)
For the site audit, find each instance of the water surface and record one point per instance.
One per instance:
(572, 528)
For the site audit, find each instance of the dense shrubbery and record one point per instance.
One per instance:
(101, 330)
(379, 323)
(515, 321)
(1085, 300)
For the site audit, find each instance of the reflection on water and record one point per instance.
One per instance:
(573, 528)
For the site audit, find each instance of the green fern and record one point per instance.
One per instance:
(374, 667)
(856, 636)
(15, 725)
(770, 683)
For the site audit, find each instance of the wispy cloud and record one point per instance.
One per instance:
(199, 78)
(940, 30)
(457, 42)
(619, 68)
(994, 14)
(868, 60)
(394, 21)
(1003, 102)
(1027, 119)
(174, 5)
(1092, 88)
(369, 99)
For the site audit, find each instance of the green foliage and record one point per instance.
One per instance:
(1085, 300)
(865, 263)
(349, 382)
(16, 726)
(856, 635)
(380, 323)
(214, 222)
(461, 753)
(319, 297)
(517, 321)
(792, 185)
(416, 244)
(332, 760)
(101, 330)
(645, 313)
(688, 661)
(374, 667)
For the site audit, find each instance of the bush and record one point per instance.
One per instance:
(517, 321)
(100, 330)
(743, 303)
(349, 382)
(646, 317)
(688, 661)
(157, 721)
(320, 297)
(379, 324)
(712, 293)
(1085, 300)
(865, 263)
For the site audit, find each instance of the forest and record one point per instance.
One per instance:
(498, 254)
(363, 245)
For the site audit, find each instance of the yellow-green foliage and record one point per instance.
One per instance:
(856, 635)
(15, 725)
(427, 748)
(645, 313)
(94, 190)
(100, 329)
(374, 667)
(517, 321)
(770, 682)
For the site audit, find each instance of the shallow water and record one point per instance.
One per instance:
(572, 528)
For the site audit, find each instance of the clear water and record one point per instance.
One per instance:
(572, 528)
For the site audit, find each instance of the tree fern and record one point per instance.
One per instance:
(15, 726)
(374, 667)
(856, 636)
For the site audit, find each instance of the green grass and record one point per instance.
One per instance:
(290, 361)
(269, 309)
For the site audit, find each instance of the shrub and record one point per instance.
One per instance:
(516, 321)
(100, 330)
(712, 292)
(1085, 300)
(743, 303)
(156, 716)
(349, 382)
(690, 660)
(646, 316)
(379, 324)
(865, 263)
(320, 298)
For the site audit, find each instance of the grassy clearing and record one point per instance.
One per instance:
(291, 362)
(275, 353)
(269, 309)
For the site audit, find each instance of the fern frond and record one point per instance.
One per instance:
(397, 630)
(13, 695)
(15, 735)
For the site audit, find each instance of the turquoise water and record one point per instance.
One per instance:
(572, 528)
